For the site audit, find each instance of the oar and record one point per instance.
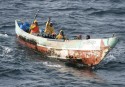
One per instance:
(36, 15)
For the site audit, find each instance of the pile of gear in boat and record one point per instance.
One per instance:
(48, 32)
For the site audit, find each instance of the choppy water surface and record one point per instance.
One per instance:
(22, 67)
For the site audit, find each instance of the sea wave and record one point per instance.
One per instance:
(5, 51)
(4, 35)
(113, 11)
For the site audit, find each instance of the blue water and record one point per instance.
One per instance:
(23, 67)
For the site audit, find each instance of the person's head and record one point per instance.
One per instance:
(61, 32)
(88, 37)
(35, 22)
(51, 24)
(80, 36)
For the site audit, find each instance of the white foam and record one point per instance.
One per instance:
(3, 35)
(6, 51)
(52, 65)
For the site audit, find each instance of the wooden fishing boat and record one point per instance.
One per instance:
(89, 52)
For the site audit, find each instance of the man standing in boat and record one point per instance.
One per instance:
(49, 29)
(34, 28)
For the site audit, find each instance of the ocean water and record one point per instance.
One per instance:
(23, 67)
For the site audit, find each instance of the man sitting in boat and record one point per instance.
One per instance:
(87, 37)
(61, 35)
(49, 29)
(79, 37)
(34, 28)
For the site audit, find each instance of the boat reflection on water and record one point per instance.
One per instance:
(85, 74)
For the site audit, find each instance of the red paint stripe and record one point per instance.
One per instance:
(35, 47)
